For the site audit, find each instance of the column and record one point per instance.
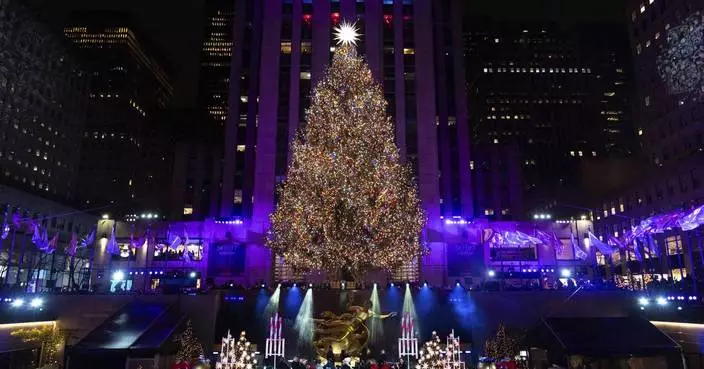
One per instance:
(295, 92)
(463, 132)
(258, 256)
(399, 81)
(428, 171)
(321, 38)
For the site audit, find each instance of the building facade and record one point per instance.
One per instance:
(44, 107)
(670, 126)
(282, 47)
(124, 158)
(555, 98)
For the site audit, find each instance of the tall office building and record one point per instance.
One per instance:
(282, 47)
(198, 150)
(124, 150)
(44, 106)
(216, 53)
(546, 99)
(666, 37)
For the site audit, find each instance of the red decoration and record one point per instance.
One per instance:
(180, 364)
(335, 17)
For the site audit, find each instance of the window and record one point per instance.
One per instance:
(241, 148)
(409, 51)
(674, 245)
(188, 210)
(306, 47)
(286, 47)
(305, 75)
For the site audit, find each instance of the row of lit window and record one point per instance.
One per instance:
(10, 156)
(537, 70)
(33, 183)
(136, 107)
(639, 48)
(508, 117)
(527, 101)
(580, 153)
(642, 8)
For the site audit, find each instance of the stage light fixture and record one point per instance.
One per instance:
(192, 274)
(491, 273)
(643, 301)
(661, 301)
(36, 302)
(566, 273)
(119, 276)
(17, 303)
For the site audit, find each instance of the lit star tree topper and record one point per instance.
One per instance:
(346, 34)
(347, 202)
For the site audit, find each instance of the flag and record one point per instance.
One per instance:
(72, 245)
(37, 235)
(112, 247)
(5, 230)
(692, 220)
(578, 252)
(636, 250)
(88, 240)
(174, 240)
(557, 244)
(614, 241)
(185, 236)
(602, 247)
(51, 245)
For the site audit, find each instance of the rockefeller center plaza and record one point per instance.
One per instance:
(339, 184)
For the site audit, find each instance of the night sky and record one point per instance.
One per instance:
(175, 27)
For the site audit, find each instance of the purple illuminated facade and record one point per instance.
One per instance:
(414, 48)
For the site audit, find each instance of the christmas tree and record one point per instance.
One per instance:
(431, 356)
(236, 355)
(189, 347)
(347, 200)
(503, 345)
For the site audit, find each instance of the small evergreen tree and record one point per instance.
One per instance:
(502, 345)
(189, 345)
(431, 356)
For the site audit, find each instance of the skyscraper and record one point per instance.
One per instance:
(281, 48)
(124, 156)
(44, 106)
(551, 98)
(666, 37)
(216, 53)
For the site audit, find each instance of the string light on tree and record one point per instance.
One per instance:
(431, 355)
(502, 345)
(189, 347)
(236, 354)
(347, 200)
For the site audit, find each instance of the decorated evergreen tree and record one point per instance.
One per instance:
(502, 345)
(189, 347)
(431, 355)
(347, 200)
